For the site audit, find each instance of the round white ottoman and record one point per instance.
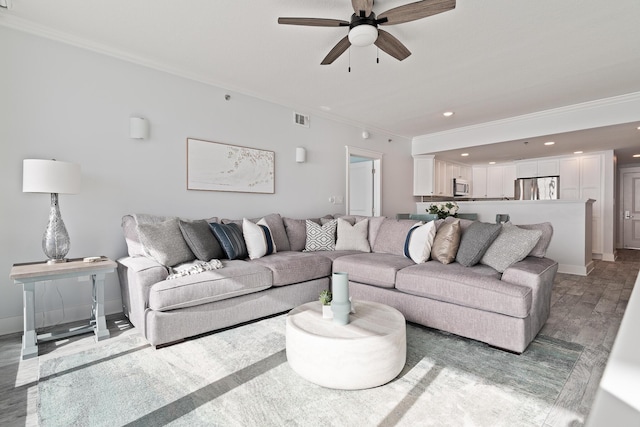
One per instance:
(370, 351)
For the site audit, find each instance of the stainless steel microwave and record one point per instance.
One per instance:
(461, 187)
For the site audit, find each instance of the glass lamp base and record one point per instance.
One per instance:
(56, 261)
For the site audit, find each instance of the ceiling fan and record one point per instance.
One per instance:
(363, 28)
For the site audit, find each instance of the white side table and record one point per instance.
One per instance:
(29, 274)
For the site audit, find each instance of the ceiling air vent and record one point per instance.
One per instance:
(301, 119)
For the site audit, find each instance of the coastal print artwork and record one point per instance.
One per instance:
(214, 166)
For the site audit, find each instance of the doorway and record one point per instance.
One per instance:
(364, 178)
(631, 210)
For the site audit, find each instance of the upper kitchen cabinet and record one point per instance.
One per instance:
(537, 168)
(433, 177)
(494, 182)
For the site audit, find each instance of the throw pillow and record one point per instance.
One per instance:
(475, 241)
(392, 235)
(164, 242)
(513, 244)
(321, 237)
(419, 241)
(353, 237)
(201, 240)
(446, 242)
(540, 250)
(258, 238)
(231, 240)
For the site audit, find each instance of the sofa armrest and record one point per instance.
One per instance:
(137, 275)
(537, 274)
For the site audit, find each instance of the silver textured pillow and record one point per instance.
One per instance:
(512, 245)
(353, 237)
(165, 243)
(540, 250)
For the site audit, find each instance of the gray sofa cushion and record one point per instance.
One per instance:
(392, 235)
(295, 267)
(475, 241)
(201, 240)
(296, 232)
(234, 279)
(130, 231)
(164, 242)
(512, 245)
(377, 269)
(477, 287)
(540, 250)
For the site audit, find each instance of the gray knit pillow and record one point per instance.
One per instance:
(165, 243)
(475, 241)
(512, 245)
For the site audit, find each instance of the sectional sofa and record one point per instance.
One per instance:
(182, 278)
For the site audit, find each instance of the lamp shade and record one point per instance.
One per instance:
(50, 176)
(363, 35)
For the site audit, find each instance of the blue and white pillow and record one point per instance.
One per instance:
(419, 240)
(258, 238)
(231, 240)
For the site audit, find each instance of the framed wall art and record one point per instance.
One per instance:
(214, 166)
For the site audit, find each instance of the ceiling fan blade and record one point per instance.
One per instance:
(414, 11)
(391, 45)
(314, 22)
(337, 50)
(362, 5)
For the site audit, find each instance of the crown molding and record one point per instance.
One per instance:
(586, 115)
(19, 24)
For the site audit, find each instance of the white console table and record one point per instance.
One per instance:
(29, 274)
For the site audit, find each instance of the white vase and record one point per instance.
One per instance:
(326, 312)
(340, 304)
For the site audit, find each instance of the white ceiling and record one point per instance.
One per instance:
(485, 60)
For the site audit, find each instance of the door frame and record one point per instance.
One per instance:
(622, 171)
(377, 178)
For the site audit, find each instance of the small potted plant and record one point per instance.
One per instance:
(325, 300)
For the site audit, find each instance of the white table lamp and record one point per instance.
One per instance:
(54, 177)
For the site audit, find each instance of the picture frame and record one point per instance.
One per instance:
(215, 166)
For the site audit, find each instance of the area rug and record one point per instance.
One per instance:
(240, 377)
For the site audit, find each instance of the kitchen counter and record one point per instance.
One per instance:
(571, 219)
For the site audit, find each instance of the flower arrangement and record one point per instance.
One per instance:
(444, 209)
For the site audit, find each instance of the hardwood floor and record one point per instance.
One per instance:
(585, 310)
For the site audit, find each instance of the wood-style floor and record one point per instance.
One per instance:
(585, 310)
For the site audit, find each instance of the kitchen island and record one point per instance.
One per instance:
(571, 245)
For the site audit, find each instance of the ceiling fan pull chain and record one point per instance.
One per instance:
(349, 59)
(377, 55)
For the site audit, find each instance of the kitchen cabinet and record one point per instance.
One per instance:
(537, 168)
(494, 182)
(433, 177)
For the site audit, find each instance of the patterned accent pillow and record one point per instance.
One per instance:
(258, 238)
(164, 242)
(419, 240)
(353, 237)
(231, 240)
(321, 237)
(512, 245)
(475, 241)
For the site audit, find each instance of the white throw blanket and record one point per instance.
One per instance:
(194, 268)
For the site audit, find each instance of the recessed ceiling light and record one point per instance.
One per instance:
(549, 143)
(636, 155)
(464, 154)
(492, 163)
(448, 113)
(577, 152)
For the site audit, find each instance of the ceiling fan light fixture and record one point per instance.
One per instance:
(363, 35)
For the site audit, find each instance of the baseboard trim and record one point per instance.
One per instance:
(10, 325)
(578, 270)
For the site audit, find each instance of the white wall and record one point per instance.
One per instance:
(59, 101)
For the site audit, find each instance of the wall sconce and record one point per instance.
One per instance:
(301, 155)
(138, 128)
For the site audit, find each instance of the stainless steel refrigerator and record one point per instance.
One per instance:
(543, 188)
